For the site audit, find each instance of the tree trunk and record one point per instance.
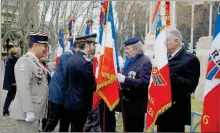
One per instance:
(54, 39)
(53, 47)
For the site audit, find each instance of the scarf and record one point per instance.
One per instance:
(128, 61)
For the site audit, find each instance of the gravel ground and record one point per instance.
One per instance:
(6, 123)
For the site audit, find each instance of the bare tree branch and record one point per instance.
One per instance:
(131, 9)
(55, 9)
(13, 18)
(74, 8)
(43, 14)
(82, 11)
(3, 4)
(83, 22)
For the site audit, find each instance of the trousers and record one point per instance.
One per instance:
(134, 122)
(10, 96)
(93, 121)
(78, 119)
(55, 114)
(109, 124)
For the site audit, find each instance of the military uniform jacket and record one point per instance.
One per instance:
(81, 82)
(32, 88)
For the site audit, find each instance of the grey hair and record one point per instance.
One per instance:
(139, 47)
(175, 34)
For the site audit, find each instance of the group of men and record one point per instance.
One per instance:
(70, 94)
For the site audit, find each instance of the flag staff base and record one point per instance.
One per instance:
(104, 117)
(122, 105)
(122, 109)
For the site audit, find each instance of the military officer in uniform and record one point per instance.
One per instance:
(93, 120)
(80, 83)
(30, 101)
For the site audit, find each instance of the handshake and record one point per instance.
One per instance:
(30, 117)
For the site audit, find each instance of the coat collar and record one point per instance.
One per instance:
(34, 57)
(182, 50)
(14, 57)
(37, 61)
(80, 52)
(133, 64)
(176, 52)
(85, 56)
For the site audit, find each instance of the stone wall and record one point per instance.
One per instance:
(149, 45)
(202, 52)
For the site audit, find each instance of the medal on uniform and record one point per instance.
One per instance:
(39, 76)
(22, 67)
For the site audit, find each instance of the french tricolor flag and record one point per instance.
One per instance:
(210, 120)
(60, 48)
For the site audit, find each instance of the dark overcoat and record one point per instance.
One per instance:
(135, 87)
(184, 76)
(9, 77)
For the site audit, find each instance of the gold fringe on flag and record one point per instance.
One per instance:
(111, 107)
(161, 111)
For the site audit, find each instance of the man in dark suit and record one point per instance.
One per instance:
(80, 83)
(9, 79)
(184, 76)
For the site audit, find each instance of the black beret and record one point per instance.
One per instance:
(132, 41)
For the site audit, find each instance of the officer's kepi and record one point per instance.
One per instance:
(37, 37)
(132, 41)
(85, 39)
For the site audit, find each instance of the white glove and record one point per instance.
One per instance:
(30, 116)
(121, 78)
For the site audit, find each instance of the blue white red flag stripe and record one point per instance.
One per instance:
(210, 120)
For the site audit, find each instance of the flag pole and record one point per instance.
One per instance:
(150, 16)
(173, 11)
(118, 67)
(192, 27)
(210, 19)
(0, 40)
(104, 116)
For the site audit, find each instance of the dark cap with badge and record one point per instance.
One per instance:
(85, 39)
(132, 41)
(38, 37)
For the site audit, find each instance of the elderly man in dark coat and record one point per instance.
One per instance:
(134, 80)
(9, 79)
(184, 76)
(80, 83)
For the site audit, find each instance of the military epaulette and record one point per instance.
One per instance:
(86, 58)
(25, 56)
(85, 40)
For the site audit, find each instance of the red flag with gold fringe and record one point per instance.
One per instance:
(159, 99)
